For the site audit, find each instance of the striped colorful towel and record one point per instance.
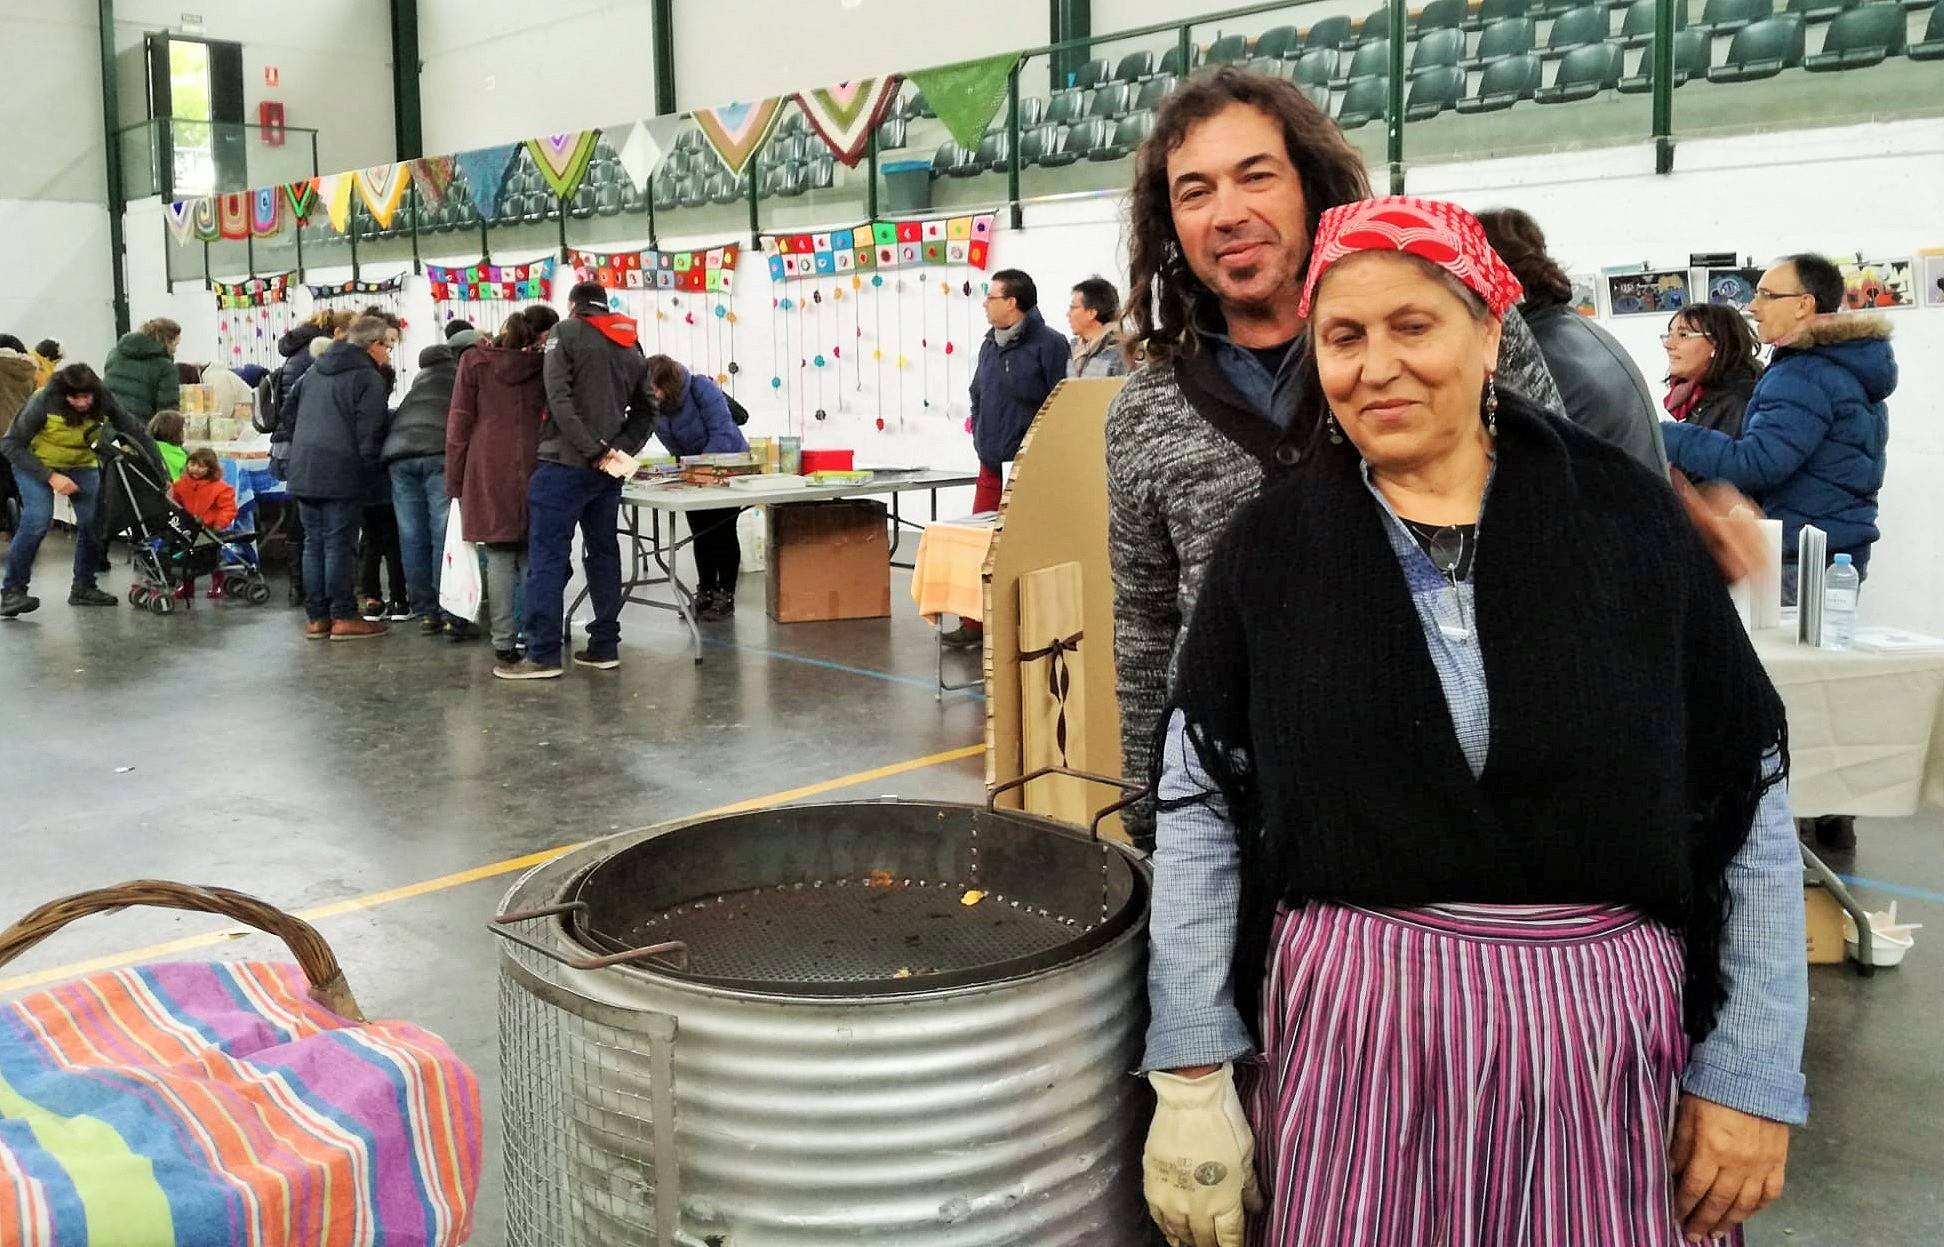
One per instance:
(203, 1105)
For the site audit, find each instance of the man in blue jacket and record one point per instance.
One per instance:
(1020, 362)
(1813, 438)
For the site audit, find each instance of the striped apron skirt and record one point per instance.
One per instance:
(1468, 1076)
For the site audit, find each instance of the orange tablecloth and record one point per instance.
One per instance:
(945, 577)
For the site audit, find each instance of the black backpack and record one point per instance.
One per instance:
(269, 405)
(737, 412)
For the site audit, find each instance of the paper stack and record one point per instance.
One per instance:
(1812, 564)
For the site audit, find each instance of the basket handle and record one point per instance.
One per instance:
(1134, 791)
(320, 964)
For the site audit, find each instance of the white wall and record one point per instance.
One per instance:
(495, 71)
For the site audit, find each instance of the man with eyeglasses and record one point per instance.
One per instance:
(1814, 436)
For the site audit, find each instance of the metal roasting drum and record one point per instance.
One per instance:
(873, 1022)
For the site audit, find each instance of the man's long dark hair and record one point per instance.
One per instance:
(72, 382)
(1164, 294)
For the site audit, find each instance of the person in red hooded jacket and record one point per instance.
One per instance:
(202, 491)
(600, 411)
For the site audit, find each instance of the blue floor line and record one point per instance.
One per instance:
(827, 665)
(1894, 889)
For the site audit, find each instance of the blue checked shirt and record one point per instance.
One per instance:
(1751, 1062)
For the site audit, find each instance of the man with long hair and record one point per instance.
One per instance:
(1227, 193)
(54, 446)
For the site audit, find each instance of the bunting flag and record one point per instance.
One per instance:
(335, 190)
(562, 159)
(382, 187)
(968, 95)
(203, 219)
(302, 198)
(266, 211)
(844, 115)
(478, 283)
(233, 214)
(709, 270)
(433, 177)
(180, 218)
(738, 131)
(342, 289)
(485, 171)
(963, 240)
(252, 292)
(647, 144)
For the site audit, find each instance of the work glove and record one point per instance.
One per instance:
(1199, 1167)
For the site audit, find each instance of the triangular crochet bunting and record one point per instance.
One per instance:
(562, 159)
(233, 214)
(433, 177)
(266, 211)
(203, 219)
(178, 216)
(738, 131)
(968, 95)
(302, 198)
(335, 190)
(844, 115)
(382, 187)
(647, 145)
(485, 171)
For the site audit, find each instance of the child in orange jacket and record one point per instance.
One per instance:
(202, 492)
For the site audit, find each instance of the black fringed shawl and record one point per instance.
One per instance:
(1629, 714)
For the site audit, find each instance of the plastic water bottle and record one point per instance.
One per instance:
(1840, 590)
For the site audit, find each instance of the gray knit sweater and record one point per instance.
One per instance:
(1185, 450)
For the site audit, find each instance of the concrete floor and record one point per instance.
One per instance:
(311, 774)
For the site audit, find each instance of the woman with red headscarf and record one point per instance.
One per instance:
(1466, 755)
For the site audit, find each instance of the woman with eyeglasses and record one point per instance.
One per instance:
(1713, 362)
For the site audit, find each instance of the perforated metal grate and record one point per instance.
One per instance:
(854, 930)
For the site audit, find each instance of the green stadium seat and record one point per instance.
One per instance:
(1371, 60)
(1092, 74)
(1577, 29)
(1229, 49)
(1859, 38)
(1134, 67)
(1583, 74)
(1762, 50)
(1039, 142)
(1637, 27)
(1318, 93)
(1819, 10)
(726, 188)
(1505, 83)
(1315, 65)
(1154, 90)
(1083, 140)
(1727, 17)
(1437, 49)
(1690, 61)
(892, 133)
(1331, 32)
(1363, 102)
(1931, 46)
(1068, 106)
(1376, 25)
(1492, 10)
(1434, 91)
(1443, 15)
(1507, 37)
(1281, 42)
(1129, 134)
(1171, 61)
(1113, 101)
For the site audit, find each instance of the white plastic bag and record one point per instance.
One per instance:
(460, 585)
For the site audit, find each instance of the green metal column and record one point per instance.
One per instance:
(1662, 58)
(111, 146)
(663, 16)
(1068, 21)
(1012, 149)
(1394, 100)
(407, 118)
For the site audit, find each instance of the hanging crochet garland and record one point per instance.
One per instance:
(563, 159)
(252, 291)
(481, 283)
(646, 146)
(844, 115)
(180, 218)
(301, 196)
(233, 215)
(356, 289)
(433, 177)
(738, 131)
(679, 299)
(484, 170)
(335, 190)
(382, 188)
(705, 270)
(266, 211)
(250, 316)
(963, 240)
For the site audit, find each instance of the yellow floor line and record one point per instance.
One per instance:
(371, 900)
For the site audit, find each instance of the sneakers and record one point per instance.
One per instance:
(400, 610)
(431, 625)
(526, 669)
(599, 661)
(460, 631)
(715, 605)
(216, 590)
(17, 602)
(372, 608)
(317, 629)
(964, 636)
(184, 591)
(507, 657)
(357, 629)
(88, 595)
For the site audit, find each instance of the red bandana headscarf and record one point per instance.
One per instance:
(1443, 233)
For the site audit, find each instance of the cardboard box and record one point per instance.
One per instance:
(829, 560)
(1825, 923)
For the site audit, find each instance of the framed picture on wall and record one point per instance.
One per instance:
(1734, 287)
(1586, 293)
(1649, 292)
(1878, 285)
(1933, 261)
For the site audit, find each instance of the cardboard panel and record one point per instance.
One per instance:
(1055, 511)
(1053, 688)
(828, 560)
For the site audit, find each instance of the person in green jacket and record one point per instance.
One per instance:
(141, 370)
(53, 446)
(167, 429)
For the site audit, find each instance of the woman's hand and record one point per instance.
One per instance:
(1727, 1166)
(61, 485)
(1198, 1168)
(1725, 520)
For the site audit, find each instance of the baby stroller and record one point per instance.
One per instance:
(172, 547)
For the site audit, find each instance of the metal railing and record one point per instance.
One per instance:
(176, 158)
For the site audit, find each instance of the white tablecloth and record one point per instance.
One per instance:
(1866, 731)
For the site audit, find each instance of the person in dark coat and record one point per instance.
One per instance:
(1020, 361)
(1603, 390)
(338, 433)
(55, 446)
(1713, 363)
(695, 420)
(600, 412)
(499, 402)
(381, 559)
(415, 456)
(141, 369)
(296, 348)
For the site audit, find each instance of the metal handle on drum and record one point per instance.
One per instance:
(1134, 791)
(502, 927)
